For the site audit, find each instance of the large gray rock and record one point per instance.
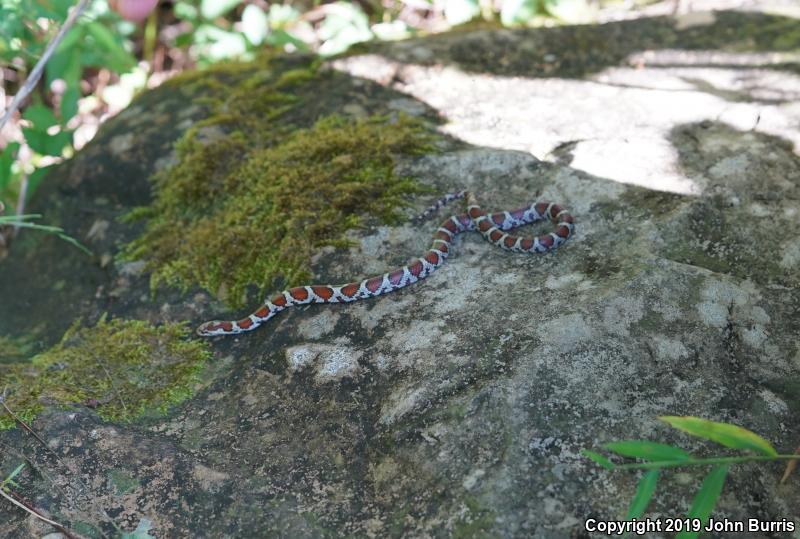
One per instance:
(459, 406)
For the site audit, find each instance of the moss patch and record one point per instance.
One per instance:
(252, 197)
(15, 349)
(124, 368)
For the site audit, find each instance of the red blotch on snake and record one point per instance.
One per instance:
(324, 292)
(374, 284)
(432, 257)
(350, 289)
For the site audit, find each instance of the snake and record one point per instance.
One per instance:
(493, 227)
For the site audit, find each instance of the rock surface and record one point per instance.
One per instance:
(459, 406)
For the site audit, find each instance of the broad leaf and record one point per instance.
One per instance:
(43, 143)
(705, 499)
(41, 117)
(64, 65)
(723, 433)
(69, 103)
(647, 450)
(118, 59)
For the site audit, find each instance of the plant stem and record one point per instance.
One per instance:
(701, 462)
(150, 39)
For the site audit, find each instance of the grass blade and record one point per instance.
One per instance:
(647, 450)
(10, 479)
(23, 221)
(644, 492)
(598, 458)
(728, 435)
(705, 499)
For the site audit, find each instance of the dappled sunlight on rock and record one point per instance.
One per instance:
(617, 121)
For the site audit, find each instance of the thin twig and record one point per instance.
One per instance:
(35, 513)
(20, 421)
(33, 78)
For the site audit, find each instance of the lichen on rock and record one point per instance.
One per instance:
(252, 196)
(126, 368)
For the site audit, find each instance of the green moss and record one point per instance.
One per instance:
(15, 349)
(251, 197)
(478, 522)
(125, 368)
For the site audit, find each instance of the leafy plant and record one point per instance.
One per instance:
(658, 456)
(9, 480)
(97, 40)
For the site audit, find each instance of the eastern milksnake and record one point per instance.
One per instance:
(492, 228)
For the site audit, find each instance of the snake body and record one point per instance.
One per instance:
(493, 227)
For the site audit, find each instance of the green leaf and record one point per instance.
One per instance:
(41, 117)
(12, 475)
(460, 11)
(36, 139)
(43, 143)
(7, 158)
(647, 450)
(211, 9)
(118, 59)
(69, 103)
(185, 10)
(644, 492)
(598, 458)
(72, 38)
(255, 24)
(57, 142)
(516, 12)
(705, 499)
(63, 65)
(723, 433)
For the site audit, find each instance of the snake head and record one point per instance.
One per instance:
(215, 327)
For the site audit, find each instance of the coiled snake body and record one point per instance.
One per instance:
(493, 227)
